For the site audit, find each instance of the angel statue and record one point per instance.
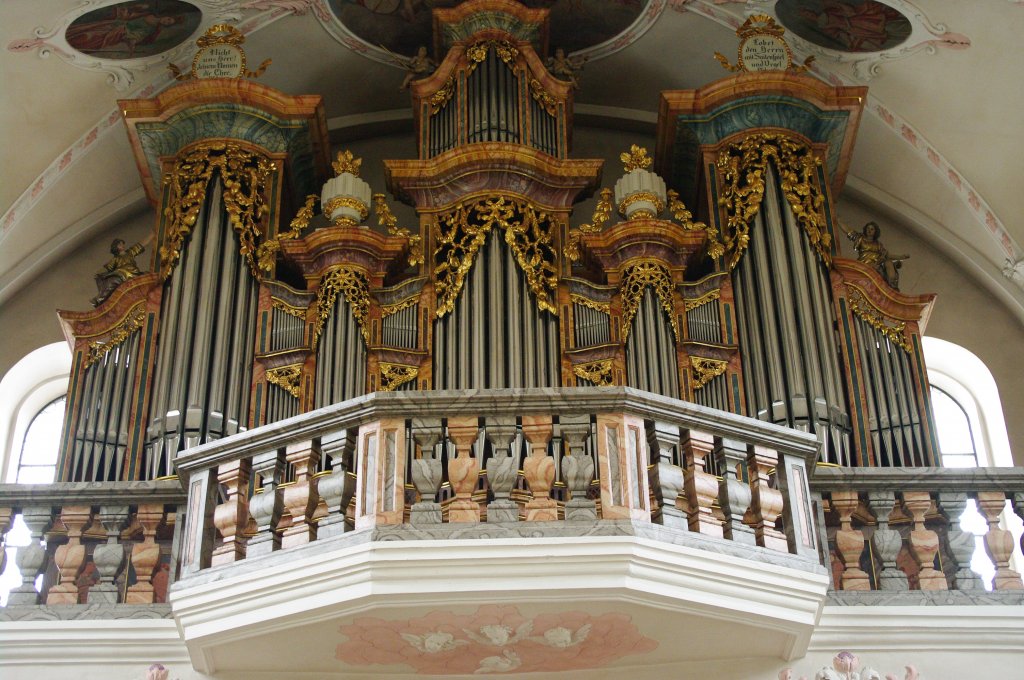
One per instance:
(416, 67)
(566, 68)
(118, 268)
(871, 252)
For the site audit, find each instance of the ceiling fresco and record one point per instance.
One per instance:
(402, 26)
(133, 30)
(845, 25)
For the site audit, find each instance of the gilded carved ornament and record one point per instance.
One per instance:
(440, 99)
(477, 52)
(637, 278)
(641, 197)
(685, 219)
(393, 376)
(892, 329)
(207, 64)
(461, 233)
(346, 162)
(706, 370)
(266, 254)
(762, 48)
(297, 312)
(597, 372)
(704, 299)
(543, 97)
(288, 378)
(602, 213)
(132, 321)
(635, 159)
(592, 304)
(742, 168)
(389, 310)
(387, 220)
(244, 175)
(354, 286)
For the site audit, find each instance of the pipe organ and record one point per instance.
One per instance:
(261, 307)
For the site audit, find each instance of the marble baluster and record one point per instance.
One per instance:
(145, 555)
(539, 470)
(1018, 506)
(667, 477)
(31, 559)
(998, 542)
(886, 541)
(850, 541)
(301, 498)
(463, 470)
(733, 495)
(577, 468)
(961, 543)
(109, 557)
(69, 558)
(336, 490)
(701, 487)
(427, 472)
(232, 516)
(502, 470)
(6, 520)
(266, 504)
(765, 502)
(924, 543)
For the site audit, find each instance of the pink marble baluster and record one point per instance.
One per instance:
(300, 499)
(998, 542)
(539, 470)
(70, 557)
(850, 541)
(924, 543)
(766, 502)
(463, 470)
(145, 555)
(701, 487)
(232, 516)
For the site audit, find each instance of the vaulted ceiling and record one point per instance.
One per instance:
(939, 148)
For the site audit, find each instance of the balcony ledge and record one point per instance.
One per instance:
(234, 617)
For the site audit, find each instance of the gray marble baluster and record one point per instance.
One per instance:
(886, 541)
(266, 506)
(336, 489)
(961, 543)
(502, 468)
(577, 468)
(663, 440)
(108, 557)
(427, 473)
(31, 559)
(733, 495)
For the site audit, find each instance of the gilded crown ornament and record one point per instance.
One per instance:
(635, 159)
(345, 197)
(346, 162)
(640, 193)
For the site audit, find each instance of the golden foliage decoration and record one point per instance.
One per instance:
(346, 162)
(602, 213)
(636, 279)
(543, 97)
(685, 219)
(389, 310)
(597, 372)
(877, 319)
(592, 304)
(742, 168)
(635, 159)
(706, 370)
(288, 378)
(244, 175)
(393, 376)
(132, 321)
(460, 233)
(440, 99)
(297, 312)
(266, 254)
(704, 299)
(477, 52)
(351, 283)
(387, 220)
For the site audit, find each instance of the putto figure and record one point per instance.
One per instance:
(416, 67)
(871, 252)
(118, 269)
(566, 68)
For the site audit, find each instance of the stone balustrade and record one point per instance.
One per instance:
(437, 464)
(93, 543)
(894, 530)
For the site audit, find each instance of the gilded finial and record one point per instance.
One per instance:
(346, 162)
(635, 159)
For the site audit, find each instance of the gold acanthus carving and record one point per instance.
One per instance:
(597, 372)
(393, 376)
(477, 52)
(635, 159)
(288, 378)
(346, 202)
(528, 233)
(244, 175)
(387, 220)
(707, 297)
(440, 99)
(636, 279)
(351, 283)
(346, 162)
(389, 310)
(266, 254)
(602, 213)
(706, 370)
(684, 217)
(877, 319)
(592, 304)
(542, 97)
(743, 167)
(297, 312)
(645, 196)
(132, 321)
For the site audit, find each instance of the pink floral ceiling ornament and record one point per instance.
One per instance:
(846, 666)
(494, 639)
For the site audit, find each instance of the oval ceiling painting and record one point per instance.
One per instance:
(133, 30)
(845, 25)
(402, 26)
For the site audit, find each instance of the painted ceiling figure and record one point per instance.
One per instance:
(871, 252)
(861, 27)
(130, 28)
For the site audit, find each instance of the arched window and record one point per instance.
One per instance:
(37, 462)
(957, 447)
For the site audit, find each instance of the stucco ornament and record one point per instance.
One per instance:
(846, 666)
(157, 672)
